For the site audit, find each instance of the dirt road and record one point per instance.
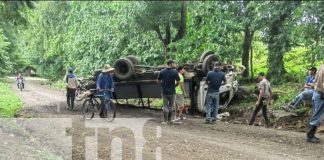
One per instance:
(47, 130)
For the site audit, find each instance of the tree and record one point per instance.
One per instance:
(162, 17)
(11, 20)
(277, 36)
(5, 63)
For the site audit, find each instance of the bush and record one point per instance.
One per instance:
(10, 103)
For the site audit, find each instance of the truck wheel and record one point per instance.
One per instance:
(134, 59)
(208, 63)
(204, 55)
(124, 68)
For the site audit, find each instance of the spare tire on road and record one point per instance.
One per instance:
(124, 68)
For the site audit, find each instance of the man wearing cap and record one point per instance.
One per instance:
(167, 77)
(265, 95)
(71, 85)
(214, 80)
(306, 94)
(105, 85)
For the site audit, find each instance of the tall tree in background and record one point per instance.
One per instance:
(163, 17)
(248, 16)
(309, 30)
(11, 20)
(278, 40)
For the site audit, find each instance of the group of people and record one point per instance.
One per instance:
(313, 90)
(173, 90)
(104, 86)
(172, 84)
(174, 93)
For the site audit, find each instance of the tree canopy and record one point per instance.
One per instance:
(277, 37)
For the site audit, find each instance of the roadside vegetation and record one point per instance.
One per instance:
(9, 101)
(281, 38)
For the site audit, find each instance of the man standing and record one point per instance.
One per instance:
(307, 93)
(318, 106)
(265, 95)
(214, 80)
(105, 85)
(180, 94)
(167, 78)
(71, 85)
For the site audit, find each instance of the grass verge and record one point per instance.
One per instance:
(9, 101)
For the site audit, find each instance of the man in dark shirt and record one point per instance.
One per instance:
(169, 79)
(214, 80)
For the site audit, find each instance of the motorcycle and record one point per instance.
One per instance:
(20, 84)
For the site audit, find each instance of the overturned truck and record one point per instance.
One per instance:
(134, 80)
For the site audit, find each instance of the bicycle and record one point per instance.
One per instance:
(91, 106)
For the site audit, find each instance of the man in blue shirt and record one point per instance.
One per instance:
(307, 93)
(169, 79)
(214, 80)
(105, 86)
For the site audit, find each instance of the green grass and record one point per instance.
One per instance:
(9, 101)
(59, 85)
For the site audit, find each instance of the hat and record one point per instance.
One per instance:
(170, 61)
(107, 68)
(312, 69)
(217, 65)
(70, 69)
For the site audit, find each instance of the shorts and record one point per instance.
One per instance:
(179, 101)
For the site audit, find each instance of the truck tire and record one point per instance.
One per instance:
(208, 63)
(134, 59)
(204, 55)
(124, 68)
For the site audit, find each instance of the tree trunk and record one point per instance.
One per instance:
(167, 40)
(278, 42)
(313, 54)
(182, 27)
(276, 48)
(251, 62)
(248, 36)
(181, 31)
(164, 41)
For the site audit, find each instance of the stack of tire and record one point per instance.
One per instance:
(207, 61)
(125, 67)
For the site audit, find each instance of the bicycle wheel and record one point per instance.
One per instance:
(89, 108)
(110, 114)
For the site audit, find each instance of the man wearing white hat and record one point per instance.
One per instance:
(105, 85)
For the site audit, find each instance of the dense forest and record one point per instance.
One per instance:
(277, 37)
